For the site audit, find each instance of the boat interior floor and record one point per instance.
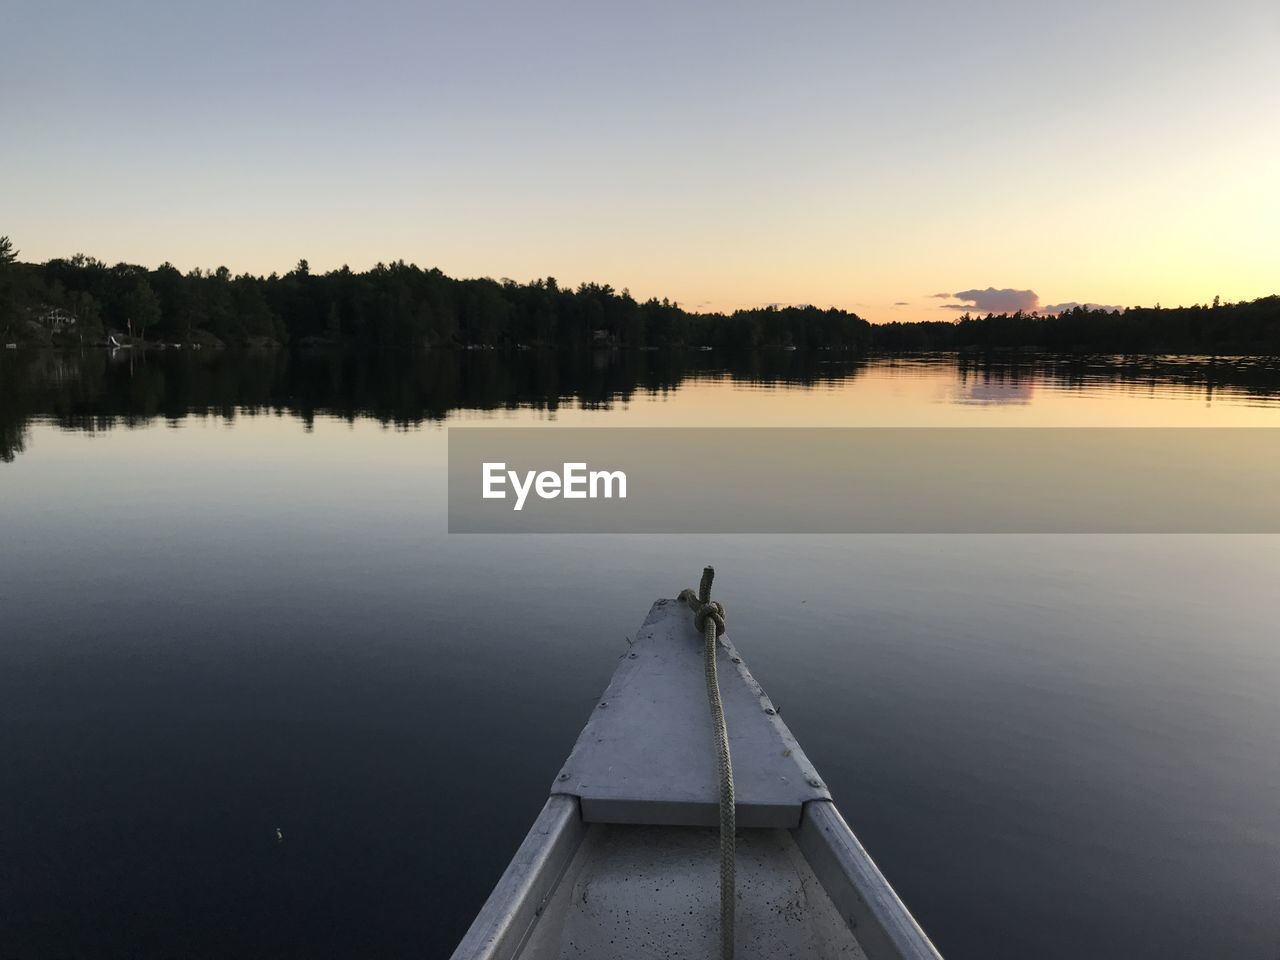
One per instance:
(654, 892)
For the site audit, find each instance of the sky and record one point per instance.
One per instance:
(903, 160)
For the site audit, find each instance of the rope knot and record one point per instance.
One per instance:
(704, 608)
(711, 610)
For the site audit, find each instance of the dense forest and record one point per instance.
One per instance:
(82, 301)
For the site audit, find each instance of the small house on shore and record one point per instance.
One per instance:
(57, 320)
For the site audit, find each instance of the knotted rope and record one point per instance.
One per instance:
(708, 616)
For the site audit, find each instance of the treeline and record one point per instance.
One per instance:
(82, 300)
(1250, 327)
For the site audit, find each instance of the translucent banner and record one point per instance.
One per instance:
(917, 480)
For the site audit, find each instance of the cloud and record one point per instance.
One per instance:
(991, 300)
(1072, 304)
(902, 303)
(1008, 300)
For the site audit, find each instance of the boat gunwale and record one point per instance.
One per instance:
(507, 918)
(881, 922)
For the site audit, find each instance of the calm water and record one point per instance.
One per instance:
(230, 606)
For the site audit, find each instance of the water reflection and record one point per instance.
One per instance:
(96, 391)
(215, 631)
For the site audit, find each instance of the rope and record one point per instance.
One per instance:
(708, 616)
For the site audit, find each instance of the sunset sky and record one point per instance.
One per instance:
(879, 157)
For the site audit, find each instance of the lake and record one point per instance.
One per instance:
(230, 608)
